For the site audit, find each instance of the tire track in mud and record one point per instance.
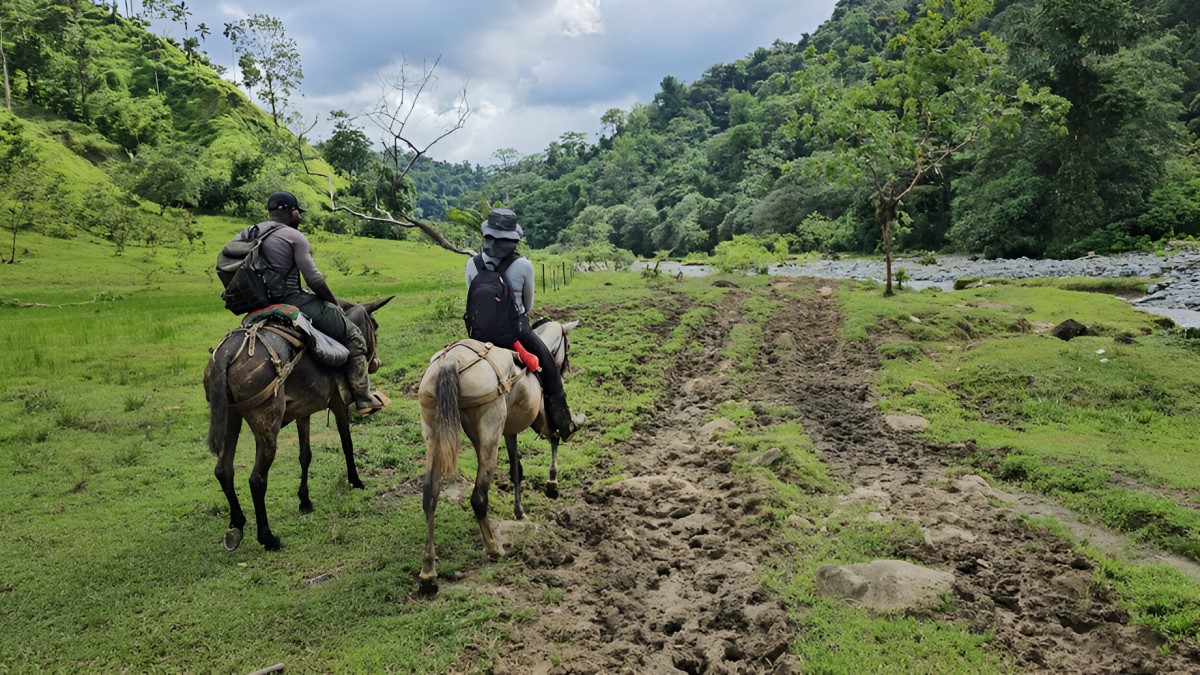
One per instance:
(1028, 587)
(657, 569)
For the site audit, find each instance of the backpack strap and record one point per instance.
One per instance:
(504, 264)
(501, 268)
(263, 235)
(258, 242)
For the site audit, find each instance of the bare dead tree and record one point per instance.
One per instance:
(399, 114)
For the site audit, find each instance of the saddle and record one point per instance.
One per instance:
(484, 352)
(290, 320)
(289, 323)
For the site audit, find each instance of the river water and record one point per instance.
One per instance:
(1176, 293)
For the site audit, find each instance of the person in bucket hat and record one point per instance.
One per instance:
(501, 235)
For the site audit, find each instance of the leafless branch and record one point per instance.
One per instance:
(393, 114)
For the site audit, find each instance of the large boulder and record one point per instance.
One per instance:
(885, 585)
(1069, 330)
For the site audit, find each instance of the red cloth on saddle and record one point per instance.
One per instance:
(529, 359)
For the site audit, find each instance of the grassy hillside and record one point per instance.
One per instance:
(150, 130)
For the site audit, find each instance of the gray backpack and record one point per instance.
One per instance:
(240, 269)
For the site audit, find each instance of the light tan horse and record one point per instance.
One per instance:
(481, 389)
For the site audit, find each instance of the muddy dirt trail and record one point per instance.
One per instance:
(657, 569)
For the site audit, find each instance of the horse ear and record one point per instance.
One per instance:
(376, 304)
(568, 327)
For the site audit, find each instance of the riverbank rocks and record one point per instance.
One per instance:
(1176, 292)
(884, 585)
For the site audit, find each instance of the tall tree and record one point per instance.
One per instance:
(263, 39)
(1123, 81)
(11, 12)
(347, 149)
(20, 178)
(939, 88)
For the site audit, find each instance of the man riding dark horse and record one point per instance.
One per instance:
(287, 257)
(501, 234)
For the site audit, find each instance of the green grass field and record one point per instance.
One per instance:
(111, 516)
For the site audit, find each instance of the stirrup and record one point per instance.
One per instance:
(576, 423)
(378, 402)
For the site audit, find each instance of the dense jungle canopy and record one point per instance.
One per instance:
(1019, 127)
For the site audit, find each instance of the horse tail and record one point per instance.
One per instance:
(218, 404)
(445, 440)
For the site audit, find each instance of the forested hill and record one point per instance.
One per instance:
(111, 131)
(1101, 155)
(1027, 127)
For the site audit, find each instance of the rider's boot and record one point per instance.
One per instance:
(559, 416)
(365, 402)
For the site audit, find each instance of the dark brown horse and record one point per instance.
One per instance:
(479, 388)
(269, 379)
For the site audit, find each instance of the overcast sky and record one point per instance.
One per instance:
(531, 69)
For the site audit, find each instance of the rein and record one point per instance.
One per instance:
(562, 343)
(282, 370)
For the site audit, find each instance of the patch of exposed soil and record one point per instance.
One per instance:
(657, 570)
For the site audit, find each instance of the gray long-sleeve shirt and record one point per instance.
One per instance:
(519, 275)
(288, 255)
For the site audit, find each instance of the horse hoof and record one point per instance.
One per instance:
(428, 586)
(271, 543)
(552, 489)
(519, 514)
(232, 539)
(358, 485)
(306, 507)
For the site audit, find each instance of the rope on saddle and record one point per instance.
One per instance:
(250, 336)
(482, 353)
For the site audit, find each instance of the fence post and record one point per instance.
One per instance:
(543, 277)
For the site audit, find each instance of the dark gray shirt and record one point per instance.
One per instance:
(288, 256)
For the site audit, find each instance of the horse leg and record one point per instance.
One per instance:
(224, 474)
(263, 458)
(431, 487)
(515, 474)
(552, 482)
(341, 416)
(302, 429)
(486, 451)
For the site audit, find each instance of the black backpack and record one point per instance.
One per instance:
(240, 269)
(491, 307)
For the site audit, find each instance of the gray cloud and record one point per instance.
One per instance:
(532, 69)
